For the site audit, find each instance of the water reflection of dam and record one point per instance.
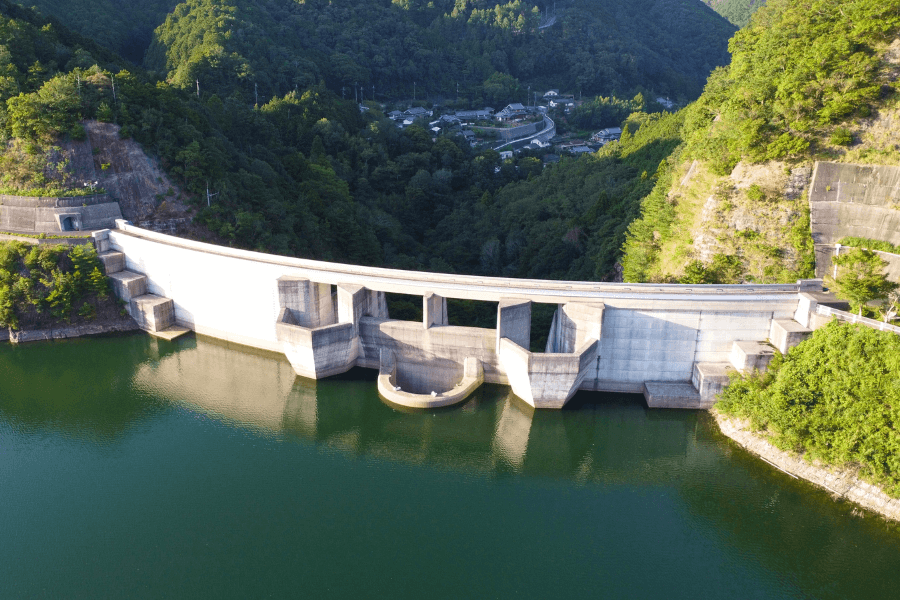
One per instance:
(494, 432)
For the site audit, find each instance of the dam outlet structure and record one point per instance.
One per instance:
(675, 344)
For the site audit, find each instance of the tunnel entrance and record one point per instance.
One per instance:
(67, 224)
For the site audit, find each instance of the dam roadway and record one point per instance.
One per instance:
(676, 344)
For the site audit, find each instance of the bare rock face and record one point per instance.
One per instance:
(120, 166)
(797, 182)
(733, 222)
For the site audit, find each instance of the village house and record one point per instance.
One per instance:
(665, 102)
(565, 103)
(607, 135)
(475, 115)
(512, 111)
(416, 112)
(470, 137)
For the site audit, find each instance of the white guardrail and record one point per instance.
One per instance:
(852, 318)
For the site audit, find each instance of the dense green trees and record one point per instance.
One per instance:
(271, 47)
(858, 277)
(307, 174)
(298, 170)
(736, 11)
(123, 26)
(63, 281)
(797, 70)
(601, 112)
(833, 398)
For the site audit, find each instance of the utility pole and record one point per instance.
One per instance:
(355, 90)
(256, 94)
(115, 100)
(198, 87)
(208, 195)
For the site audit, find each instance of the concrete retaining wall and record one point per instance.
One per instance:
(543, 132)
(513, 133)
(61, 333)
(54, 201)
(853, 201)
(48, 215)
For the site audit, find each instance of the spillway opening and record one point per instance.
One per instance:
(472, 313)
(404, 307)
(541, 320)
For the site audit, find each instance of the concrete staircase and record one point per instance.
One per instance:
(153, 313)
(710, 378)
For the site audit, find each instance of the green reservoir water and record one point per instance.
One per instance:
(137, 468)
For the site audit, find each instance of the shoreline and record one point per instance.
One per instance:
(70, 331)
(840, 482)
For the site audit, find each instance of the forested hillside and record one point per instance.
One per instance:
(736, 11)
(808, 80)
(307, 174)
(490, 52)
(124, 26)
(714, 193)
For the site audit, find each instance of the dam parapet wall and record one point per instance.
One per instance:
(327, 318)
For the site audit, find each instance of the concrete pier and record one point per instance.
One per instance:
(673, 343)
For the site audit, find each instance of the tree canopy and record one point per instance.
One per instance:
(858, 276)
(833, 398)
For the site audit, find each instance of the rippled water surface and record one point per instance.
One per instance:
(131, 467)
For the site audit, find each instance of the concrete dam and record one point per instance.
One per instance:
(676, 344)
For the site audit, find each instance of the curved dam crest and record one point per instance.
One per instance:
(676, 344)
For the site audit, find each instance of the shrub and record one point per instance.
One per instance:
(841, 136)
(755, 193)
(77, 132)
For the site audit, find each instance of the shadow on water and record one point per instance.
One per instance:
(81, 387)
